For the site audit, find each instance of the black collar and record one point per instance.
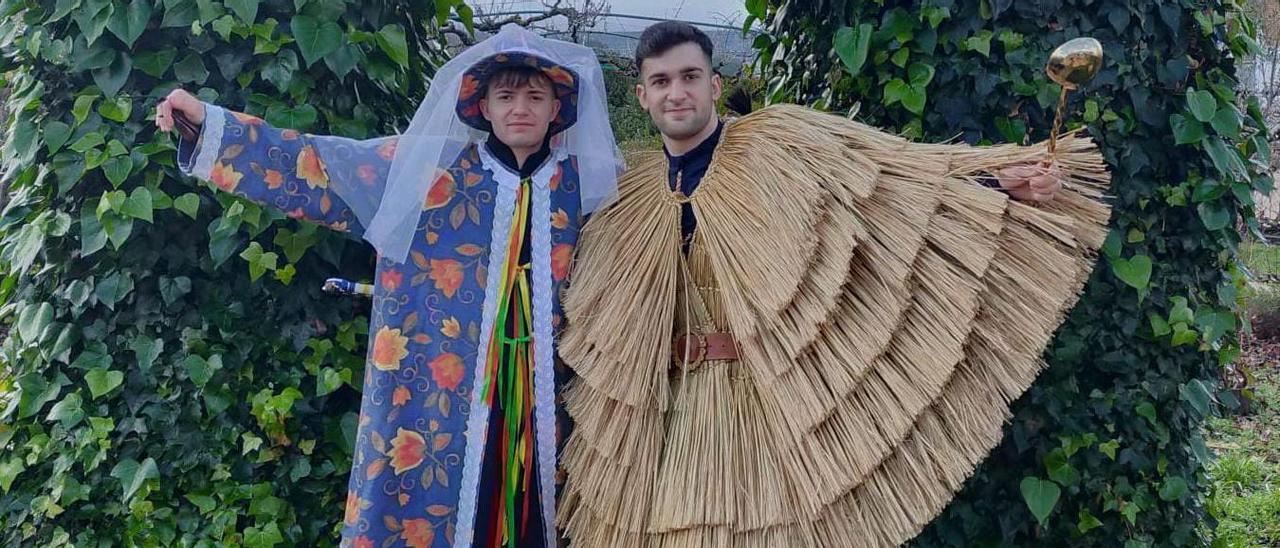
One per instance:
(504, 154)
(704, 149)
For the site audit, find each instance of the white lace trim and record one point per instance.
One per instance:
(478, 422)
(215, 121)
(544, 380)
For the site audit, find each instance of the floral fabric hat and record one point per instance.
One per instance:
(564, 83)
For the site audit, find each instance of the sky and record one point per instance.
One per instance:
(700, 11)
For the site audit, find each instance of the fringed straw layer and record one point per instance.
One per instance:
(888, 311)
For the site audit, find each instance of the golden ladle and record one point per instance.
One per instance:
(1071, 65)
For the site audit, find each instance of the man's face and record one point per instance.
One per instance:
(679, 91)
(520, 114)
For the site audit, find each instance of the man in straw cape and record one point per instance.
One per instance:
(474, 212)
(794, 330)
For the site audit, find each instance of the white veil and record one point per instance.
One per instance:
(436, 137)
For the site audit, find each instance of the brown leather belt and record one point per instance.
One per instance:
(695, 349)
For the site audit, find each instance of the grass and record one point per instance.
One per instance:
(1262, 259)
(1245, 497)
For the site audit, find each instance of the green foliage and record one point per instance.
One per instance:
(1106, 447)
(155, 387)
(1245, 497)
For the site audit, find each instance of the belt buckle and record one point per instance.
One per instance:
(682, 352)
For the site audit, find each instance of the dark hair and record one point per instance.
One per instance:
(515, 77)
(661, 37)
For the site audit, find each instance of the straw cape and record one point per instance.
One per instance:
(886, 310)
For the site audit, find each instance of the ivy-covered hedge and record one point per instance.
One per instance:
(1106, 447)
(173, 374)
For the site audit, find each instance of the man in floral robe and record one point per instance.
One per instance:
(458, 426)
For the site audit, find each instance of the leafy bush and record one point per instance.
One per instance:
(1107, 445)
(158, 387)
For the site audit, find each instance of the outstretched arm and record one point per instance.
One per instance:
(333, 181)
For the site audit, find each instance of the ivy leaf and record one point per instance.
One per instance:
(1186, 131)
(1040, 495)
(392, 42)
(1203, 104)
(112, 77)
(1109, 448)
(299, 118)
(315, 38)
(133, 474)
(62, 9)
(89, 142)
(894, 91)
(1135, 271)
(1214, 215)
(280, 70)
(200, 370)
(117, 228)
(259, 261)
(117, 110)
(146, 350)
(1227, 122)
(92, 18)
(172, 289)
(1147, 411)
(92, 237)
(130, 22)
(920, 74)
(914, 99)
(265, 537)
(9, 471)
(102, 381)
(55, 135)
(69, 412)
(139, 204)
(204, 503)
(1159, 327)
(113, 289)
(1195, 393)
(1173, 488)
(33, 320)
(246, 10)
(35, 391)
(24, 246)
(81, 108)
(852, 44)
(328, 381)
(1086, 522)
(1183, 335)
(179, 13)
(295, 245)
(117, 170)
(342, 60)
(1214, 325)
(188, 203)
(1225, 159)
(191, 69)
(980, 43)
(155, 62)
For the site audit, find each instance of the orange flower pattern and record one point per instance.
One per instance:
(226, 177)
(311, 168)
(408, 450)
(447, 370)
(389, 347)
(285, 169)
(442, 190)
(424, 323)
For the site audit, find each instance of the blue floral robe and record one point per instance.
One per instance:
(415, 476)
